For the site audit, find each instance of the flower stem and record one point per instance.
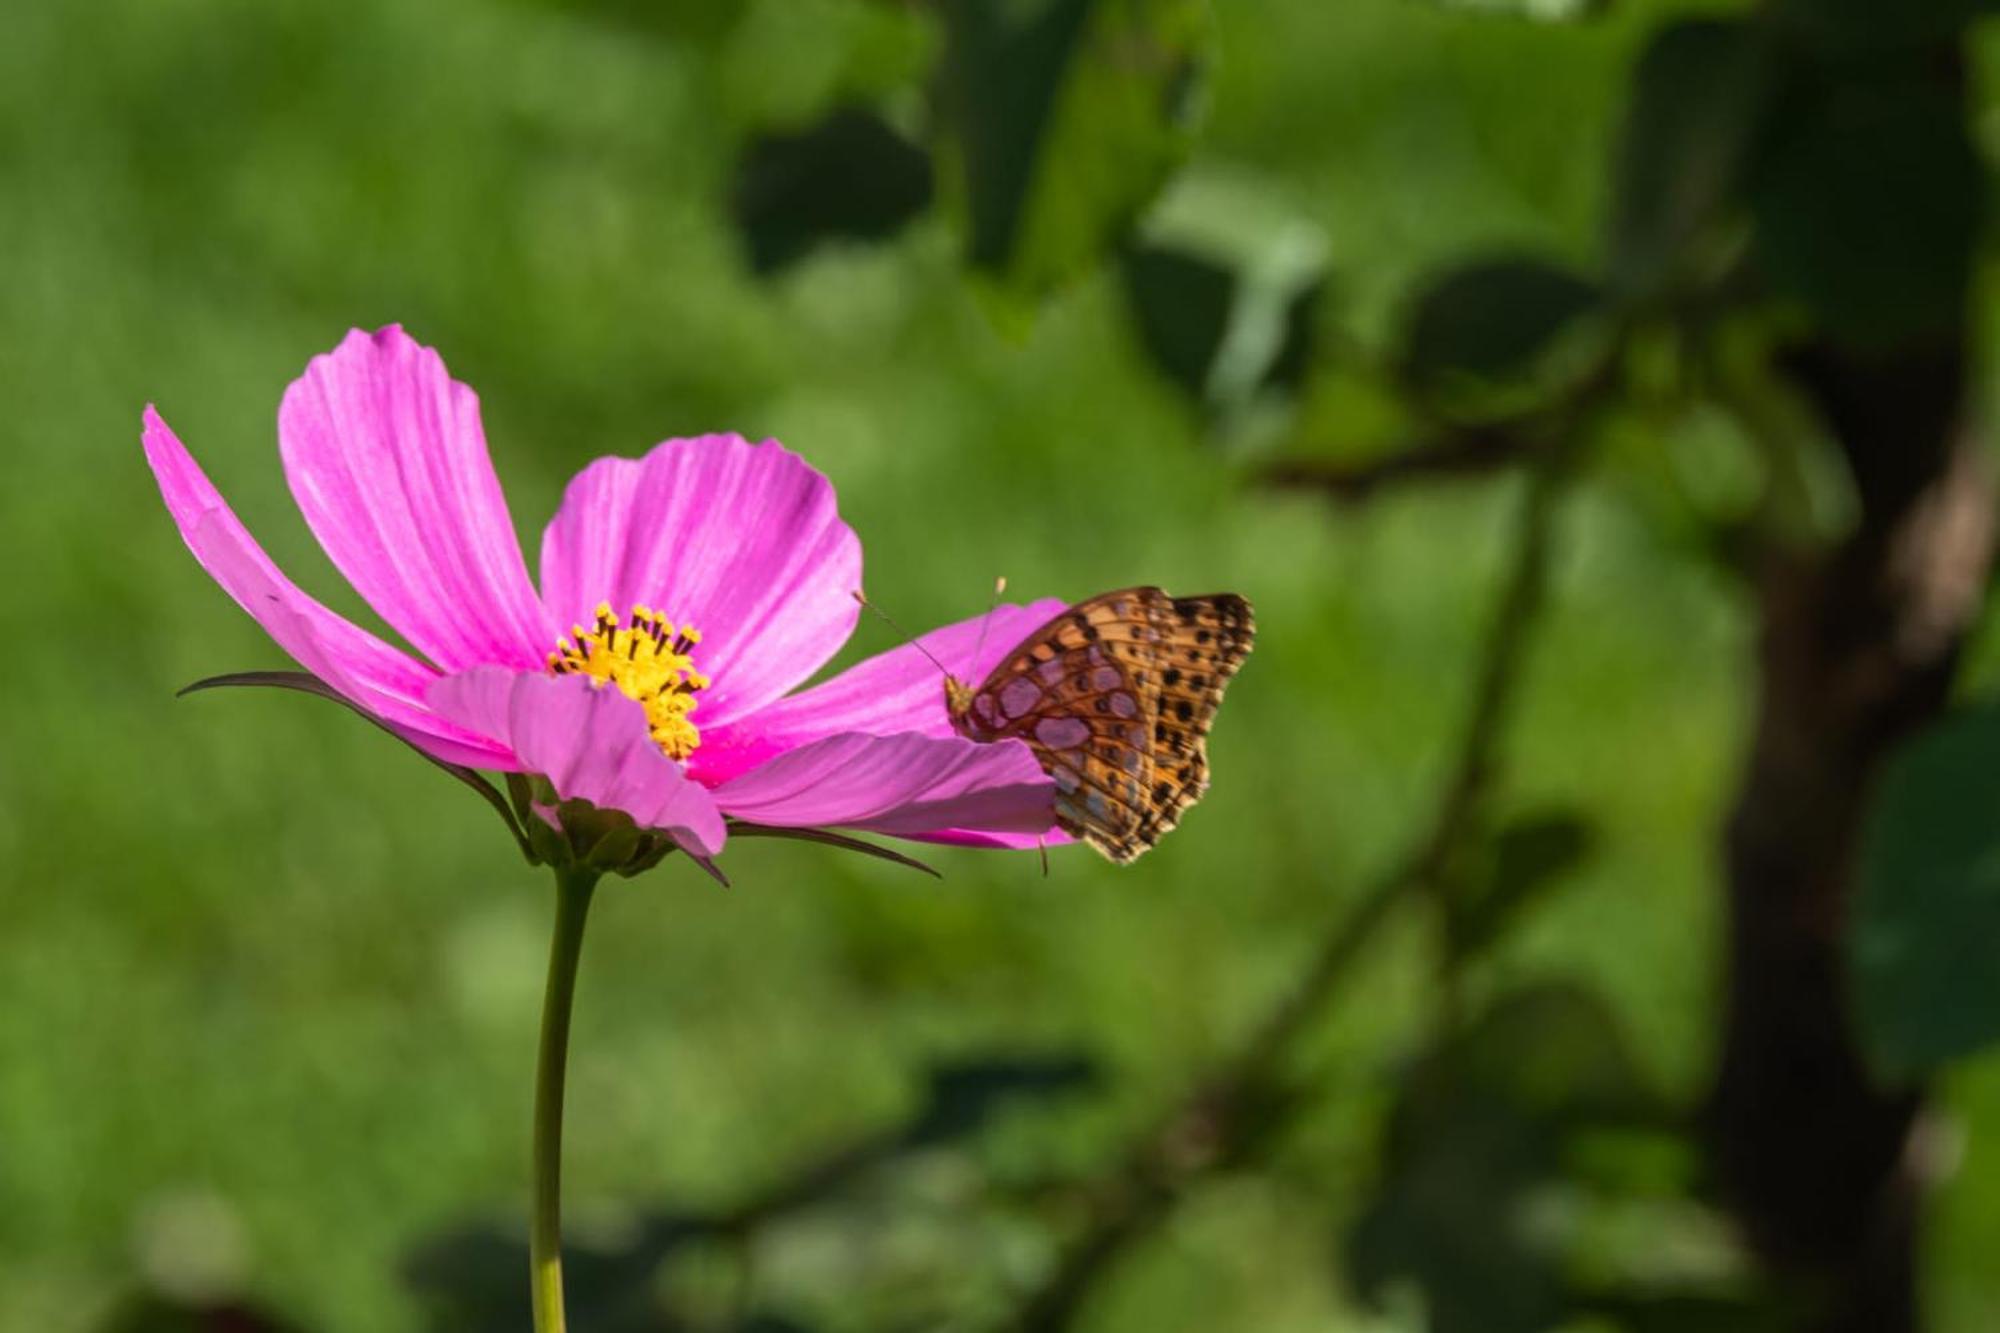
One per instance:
(573, 891)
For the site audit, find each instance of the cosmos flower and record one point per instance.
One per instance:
(684, 596)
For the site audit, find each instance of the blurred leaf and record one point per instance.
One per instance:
(850, 177)
(1681, 1313)
(473, 1277)
(1925, 938)
(1182, 303)
(1537, 848)
(965, 1094)
(1868, 204)
(1492, 319)
(1871, 26)
(1221, 333)
(1699, 98)
(1530, 857)
(165, 1314)
(1062, 120)
(1476, 1135)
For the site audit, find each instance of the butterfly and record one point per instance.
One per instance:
(1115, 696)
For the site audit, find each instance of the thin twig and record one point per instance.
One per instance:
(1445, 448)
(1463, 452)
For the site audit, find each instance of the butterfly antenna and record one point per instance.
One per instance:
(889, 620)
(999, 587)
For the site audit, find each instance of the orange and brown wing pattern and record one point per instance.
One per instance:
(1115, 696)
(1080, 692)
(1208, 640)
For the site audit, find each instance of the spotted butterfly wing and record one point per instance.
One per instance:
(1115, 696)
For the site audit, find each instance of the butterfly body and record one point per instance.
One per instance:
(1115, 696)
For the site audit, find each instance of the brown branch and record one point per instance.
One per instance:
(1473, 449)
(1858, 649)
(1468, 451)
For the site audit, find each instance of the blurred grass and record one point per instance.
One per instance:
(249, 948)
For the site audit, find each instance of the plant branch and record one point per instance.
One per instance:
(573, 893)
(1467, 451)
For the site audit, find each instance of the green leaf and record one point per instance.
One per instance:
(1492, 319)
(1181, 303)
(1531, 857)
(1699, 100)
(1868, 204)
(1924, 941)
(162, 1312)
(1683, 1312)
(1061, 121)
(1863, 26)
(850, 177)
(1220, 332)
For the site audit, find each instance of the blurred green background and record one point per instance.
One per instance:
(268, 986)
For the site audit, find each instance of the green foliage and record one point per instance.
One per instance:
(1222, 333)
(468, 1278)
(1527, 859)
(852, 176)
(707, 21)
(1864, 27)
(1698, 105)
(1491, 320)
(1868, 202)
(1481, 1157)
(1064, 119)
(1926, 929)
(620, 221)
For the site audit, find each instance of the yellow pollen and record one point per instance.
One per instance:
(647, 658)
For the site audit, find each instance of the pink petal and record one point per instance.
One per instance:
(743, 542)
(376, 677)
(592, 743)
(900, 690)
(904, 784)
(1012, 842)
(387, 460)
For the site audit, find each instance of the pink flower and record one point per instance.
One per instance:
(683, 595)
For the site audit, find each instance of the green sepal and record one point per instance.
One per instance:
(547, 842)
(521, 795)
(604, 841)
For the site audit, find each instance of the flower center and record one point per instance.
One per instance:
(647, 659)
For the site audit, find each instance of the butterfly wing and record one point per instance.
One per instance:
(1081, 693)
(1115, 696)
(1206, 640)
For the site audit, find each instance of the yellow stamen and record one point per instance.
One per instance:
(647, 659)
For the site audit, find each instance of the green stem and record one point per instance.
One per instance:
(573, 890)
